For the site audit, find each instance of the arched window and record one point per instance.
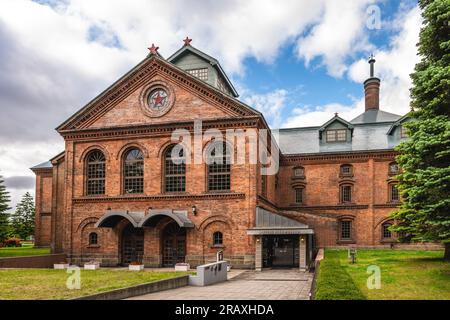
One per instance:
(95, 173)
(174, 169)
(394, 195)
(385, 232)
(219, 167)
(133, 171)
(346, 170)
(217, 238)
(393, 168)
(345, 230)
(346, 193)
(93, 238)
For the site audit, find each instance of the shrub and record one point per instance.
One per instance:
(12, 242)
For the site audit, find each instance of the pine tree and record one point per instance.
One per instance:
(4, 207)
(22, 220)
(425, 158)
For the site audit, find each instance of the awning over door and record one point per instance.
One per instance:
(269, 223)
(139, 219)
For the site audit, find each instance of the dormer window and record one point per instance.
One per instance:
(403, 132)
(201, 73)
(338, 135)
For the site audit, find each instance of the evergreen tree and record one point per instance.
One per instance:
(424, 182)
(22, 220)
(4, 207)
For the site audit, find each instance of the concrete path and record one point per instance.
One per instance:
(290, 284)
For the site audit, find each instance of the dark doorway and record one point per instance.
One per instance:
(280, 251)
(173, 244)
(132, 244)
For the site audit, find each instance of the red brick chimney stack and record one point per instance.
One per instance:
(372, 88)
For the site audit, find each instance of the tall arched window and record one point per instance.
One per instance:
(219, 167)
(133, 171)
(95, 173)
(346, 193)
(385, 232)
(174, 169)
(394, 195)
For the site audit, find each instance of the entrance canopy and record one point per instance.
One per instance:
(154, 216)
(268, 223)
(138, 219)
(112, 217)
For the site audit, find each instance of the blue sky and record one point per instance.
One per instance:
(298, 63)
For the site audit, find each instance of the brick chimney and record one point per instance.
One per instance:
(372, 89)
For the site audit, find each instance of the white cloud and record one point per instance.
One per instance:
(393, 66)
(270, 104)
(341, 32)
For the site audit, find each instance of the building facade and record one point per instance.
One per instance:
(124, 189)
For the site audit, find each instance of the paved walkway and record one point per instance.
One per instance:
(290, 284)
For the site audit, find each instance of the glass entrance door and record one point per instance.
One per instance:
(132, 244)
(280, 251)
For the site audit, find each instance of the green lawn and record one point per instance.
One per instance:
(404, 275)
(38, 284)
(25, 250)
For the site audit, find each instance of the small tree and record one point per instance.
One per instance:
(4, 207)
(425, 158)
(22, 220)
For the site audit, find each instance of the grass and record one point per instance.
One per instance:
(44, 284)
(25, 250)
(405, 275)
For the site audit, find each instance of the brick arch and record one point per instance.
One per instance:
(383, 220)
(130, 145)
(86, 222)
(91, 148)
(214, 218)
(167, 144)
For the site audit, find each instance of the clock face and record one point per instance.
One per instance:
(158, 100)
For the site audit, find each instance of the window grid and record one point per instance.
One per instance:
(346, 194)
(346, 230)
(217, 238)
(201, 73)
(386, 233)
(394, 192)
(175, 171)
(403, 132)
(95, 173)
(134, 172)
(299, 195)
(336, 135)
(299, 172)
(219, 170)
(346, 170)
(93, 238)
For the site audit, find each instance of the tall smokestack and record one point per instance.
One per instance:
(372, 88)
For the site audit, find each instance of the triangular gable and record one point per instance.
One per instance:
(334, 119)
(147, 68)
(397, 123)
(187, 49)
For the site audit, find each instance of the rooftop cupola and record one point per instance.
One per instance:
(372, 88)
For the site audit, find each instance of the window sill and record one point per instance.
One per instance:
(387, 240)
(346, 241)
(216, 246)
(92, 246)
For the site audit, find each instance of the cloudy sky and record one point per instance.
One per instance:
(298, 61)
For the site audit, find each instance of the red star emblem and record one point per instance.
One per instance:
(187, 41)
(158, 99)
(153, 49)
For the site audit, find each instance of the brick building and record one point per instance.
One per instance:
(123, 189)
